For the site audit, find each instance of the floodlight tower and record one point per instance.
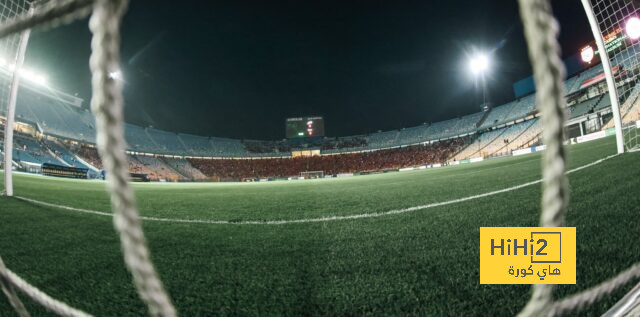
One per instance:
(479, 66)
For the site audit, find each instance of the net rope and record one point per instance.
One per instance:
(9, 291)
(106, 105)
(49, 14)
(541, 30)
(46, 301)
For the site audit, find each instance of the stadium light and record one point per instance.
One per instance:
(479, 64)
(33, 76)
(587, 54)
(25, 73)
(633, 28)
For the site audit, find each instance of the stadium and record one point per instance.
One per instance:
(384, 222)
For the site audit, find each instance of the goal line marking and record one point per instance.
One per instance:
(311, 220)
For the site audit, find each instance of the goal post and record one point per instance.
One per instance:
(615, 25)
(12, 52)
(312, 174)
(606, 65)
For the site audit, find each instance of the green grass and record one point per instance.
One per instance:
(419, 263)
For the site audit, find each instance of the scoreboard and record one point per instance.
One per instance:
(305, 127)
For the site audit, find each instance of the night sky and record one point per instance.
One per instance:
(239, 68)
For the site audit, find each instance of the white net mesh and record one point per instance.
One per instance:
(613, 17)
(541, 29)
(9, 44)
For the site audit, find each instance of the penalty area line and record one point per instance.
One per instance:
(312, 220)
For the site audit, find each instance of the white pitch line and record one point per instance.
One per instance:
(321, 219)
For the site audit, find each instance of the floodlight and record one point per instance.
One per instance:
(32, 76)
(39, 79)
(479, 64)
(587, 54)
(633, 28)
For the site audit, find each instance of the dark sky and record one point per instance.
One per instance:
(239, 68)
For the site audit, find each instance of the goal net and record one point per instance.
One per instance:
(106, 104)
(17, 17)
(9, 60)
(312, 174)
(619, 22)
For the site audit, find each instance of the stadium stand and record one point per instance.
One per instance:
(584, 76)
(167, 142)
(208, 146)
(603, 102)
(525, 107)
(466, 124)
(137, 167)
(632, 113)
(55, 117)
(529, 137)
(222, 147)
(585, 107)
(242, 169)
(572, 84)
(500, 141)
(27, 149)
(352, 142)
(629, 110)
(498, 115)
(475, 148)
(138, 140)
(414, 135)
(497, 131)
(155, 167)
(512, 133)
(185, 168)
(89, 155)
(383, 139)
(63, 154)
(195, 145)
(255, 148)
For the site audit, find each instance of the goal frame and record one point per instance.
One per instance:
(11, 110)
(310, 174)
(608, 73)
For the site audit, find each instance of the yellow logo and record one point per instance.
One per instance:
(527, 255)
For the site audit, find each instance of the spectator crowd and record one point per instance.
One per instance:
(247, 168)
(416, 155)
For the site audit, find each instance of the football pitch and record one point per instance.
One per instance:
(385, 244)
